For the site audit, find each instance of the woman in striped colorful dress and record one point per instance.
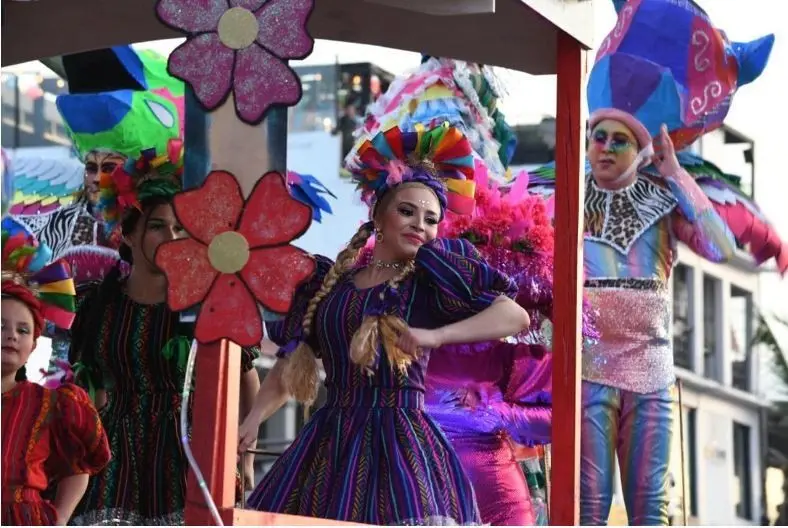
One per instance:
(371, 454)
(52, 439)
(132, 351)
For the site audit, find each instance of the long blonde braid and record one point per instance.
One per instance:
(300, 373)
(384, 329)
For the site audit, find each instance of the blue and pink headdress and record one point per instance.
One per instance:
(440, 158)
(664, 62)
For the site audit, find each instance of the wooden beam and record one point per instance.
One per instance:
(567, 280)
(214, 429)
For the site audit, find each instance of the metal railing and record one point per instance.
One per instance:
(266, 451)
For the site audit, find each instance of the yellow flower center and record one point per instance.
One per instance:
(228, 252)
(238, 28)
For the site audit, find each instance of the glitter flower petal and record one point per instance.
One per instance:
(232, 267)
(189, 61)
(212, 208)
(274, 274)
(229, 312)
(262, 80)
(279, 32)
(272, 216)
(251, 5)
(241, 45)
(189, 272)
(193, 16)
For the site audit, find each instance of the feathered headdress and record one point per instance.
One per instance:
(25, 265)
(509, 219)
(440, 158)
(513, 231)
(152, 174)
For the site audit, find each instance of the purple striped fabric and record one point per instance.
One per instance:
(372, 454)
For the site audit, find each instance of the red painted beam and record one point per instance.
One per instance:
(568, 275)
(214, 440)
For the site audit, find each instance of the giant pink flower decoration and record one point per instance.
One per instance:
(239, 45)
(239, 255)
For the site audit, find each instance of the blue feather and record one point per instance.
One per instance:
(309, 190)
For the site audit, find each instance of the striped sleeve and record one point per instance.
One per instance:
(461, 283)
(286, 331)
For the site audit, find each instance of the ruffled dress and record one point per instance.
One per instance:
(48, 435)
(372, 454)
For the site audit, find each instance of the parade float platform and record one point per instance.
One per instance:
(540, 37)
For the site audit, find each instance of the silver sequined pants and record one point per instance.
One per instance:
(637, 428)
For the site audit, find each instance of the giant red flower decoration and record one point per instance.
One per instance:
(239, 255)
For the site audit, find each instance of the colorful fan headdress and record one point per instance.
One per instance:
(25, 265)
(152, 174)
(664, 62)
(440, 158)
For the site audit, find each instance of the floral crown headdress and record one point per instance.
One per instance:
(440, 158)
(25, 264)
(152, 174)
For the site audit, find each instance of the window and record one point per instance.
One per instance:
(742, 471)
(740, 312)
(682, 317)
(711, 366)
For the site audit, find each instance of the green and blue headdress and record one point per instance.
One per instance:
(121, 100)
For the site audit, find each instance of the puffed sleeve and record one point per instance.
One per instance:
(286, 331)
(460, 281)
(78, 443)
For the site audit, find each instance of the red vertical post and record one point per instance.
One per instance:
(568, 275)
(214, 438)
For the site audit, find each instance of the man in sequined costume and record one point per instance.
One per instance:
(638, 205)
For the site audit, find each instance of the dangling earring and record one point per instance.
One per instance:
(378, 236)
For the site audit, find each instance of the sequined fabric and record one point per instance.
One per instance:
(634, 352)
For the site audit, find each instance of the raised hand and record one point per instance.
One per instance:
(665, 159)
